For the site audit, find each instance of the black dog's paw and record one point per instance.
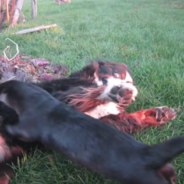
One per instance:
(123, 95)
(22, 132)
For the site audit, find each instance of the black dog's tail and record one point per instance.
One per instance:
(160, 154)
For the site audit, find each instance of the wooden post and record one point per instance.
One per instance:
(2, 13)
(16, 15)
(12, 9)
(33, 9)
(7, 11)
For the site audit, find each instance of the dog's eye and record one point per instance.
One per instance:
(104, 80)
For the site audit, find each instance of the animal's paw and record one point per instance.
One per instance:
(164, 114)
(124, 94)
(20, 131)
(168, 173)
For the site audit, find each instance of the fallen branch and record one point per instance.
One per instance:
(35, 29)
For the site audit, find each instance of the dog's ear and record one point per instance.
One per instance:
(2, 88)
(7, 86)
(87, 72)
(100, 63)
(5, 90)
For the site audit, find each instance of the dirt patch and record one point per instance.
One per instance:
(31, 70)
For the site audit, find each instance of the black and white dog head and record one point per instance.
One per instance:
(115, 76)
(99, 89)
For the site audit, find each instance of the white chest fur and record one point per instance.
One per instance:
(104, 110)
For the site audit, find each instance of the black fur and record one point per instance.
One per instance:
(97, 146)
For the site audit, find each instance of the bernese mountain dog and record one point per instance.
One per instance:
(101, 90)
(84, 139)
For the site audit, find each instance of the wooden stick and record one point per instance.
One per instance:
(35, 29)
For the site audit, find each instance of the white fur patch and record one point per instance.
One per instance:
(98, 82)
(112, 82)
(104, 110)
(128, 78)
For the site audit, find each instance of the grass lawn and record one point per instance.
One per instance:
(145, 33)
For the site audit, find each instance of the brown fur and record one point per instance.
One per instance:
(86, 100)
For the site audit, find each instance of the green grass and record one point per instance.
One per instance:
(148, 32)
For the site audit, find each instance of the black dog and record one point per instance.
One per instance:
(98, 89)
(98, 146)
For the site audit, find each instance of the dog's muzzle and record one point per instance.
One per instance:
(119, 91)
(123, 94)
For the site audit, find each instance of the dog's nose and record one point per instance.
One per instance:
(115, 90)
(124, 92)
(129, 85)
